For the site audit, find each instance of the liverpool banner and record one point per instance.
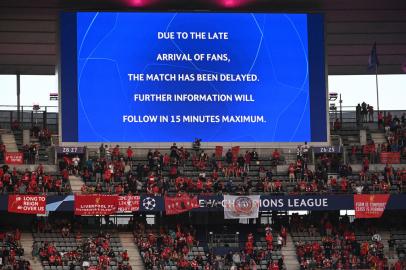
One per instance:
(14, 158)
(27, 204)
(236, 207)
(128, 204)
(370, 205)
(180, 203)
(95, 204)
(390, 157)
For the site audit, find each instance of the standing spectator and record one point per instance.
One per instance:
(358, 114)
(364, 112)
(254, 156)
(370, 113)
(380, 119)
(247, 161)
(275, 157)
(102, 151)
(2, 152)
(75, 162)
(130, 154)
(229, 157)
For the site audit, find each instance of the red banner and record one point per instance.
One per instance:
(128, 204)
(95, 204)
(219, 151)
(14, 158)
(370, 206)
(390, 157)
(27, 204)
(180, 203)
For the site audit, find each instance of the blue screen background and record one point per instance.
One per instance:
(273, 46)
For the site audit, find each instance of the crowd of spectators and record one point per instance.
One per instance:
(33, 182)
(11, 252)
(163, 247)
(338, 246)
(395, 133)
(394, 130)
(364, 113)
(254, 255)
(117, 173)
(30, 153)
(93, 252)
(43, 135)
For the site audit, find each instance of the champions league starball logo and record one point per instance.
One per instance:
(149, 203)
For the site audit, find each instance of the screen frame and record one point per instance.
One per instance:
(64, 113)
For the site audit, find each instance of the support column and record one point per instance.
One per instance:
(18, 98)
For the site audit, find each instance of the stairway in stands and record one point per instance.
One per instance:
(26, 242)
(385, 236)
(378, 137)
(76, 183)
(289, 255)
(127, 241)
(9, 141)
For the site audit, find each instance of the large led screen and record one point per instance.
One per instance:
(173, 77)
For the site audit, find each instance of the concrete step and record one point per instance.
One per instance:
(378, 136)
(289, 255)
(26, 136)
(76, 183)
(10, 142)
(26, 243)
(385, 236)
(127, 241)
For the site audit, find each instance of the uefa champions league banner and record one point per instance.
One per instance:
(306, 202)
(208, 203)
(281, 203)
(152, 203)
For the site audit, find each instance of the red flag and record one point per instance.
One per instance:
(370, 205)
(95, 204)
(27, 204)
(219, 151)
(128, 204)
(235, 150)
(180, 203)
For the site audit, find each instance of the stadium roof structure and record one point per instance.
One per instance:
(29, 29)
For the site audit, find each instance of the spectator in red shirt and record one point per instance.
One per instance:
(291, 171)
(344, 184)
(275, 157)
(365, 164)
(130, 154)
(247, 161)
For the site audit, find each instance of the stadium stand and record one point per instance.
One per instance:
(61, 245)
(159, 174)
(280, 171)
(364, 156)
(33, 182)
(187, 248)
(12, 253)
